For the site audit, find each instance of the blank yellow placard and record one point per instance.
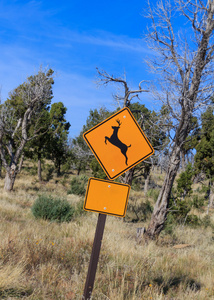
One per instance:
(106, 197)
(118, 143)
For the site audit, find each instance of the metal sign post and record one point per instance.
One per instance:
(89, 284)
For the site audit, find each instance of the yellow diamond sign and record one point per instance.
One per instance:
(118, 143)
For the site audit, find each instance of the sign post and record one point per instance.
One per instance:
(119, 144)
(102, 196)
(89, 284)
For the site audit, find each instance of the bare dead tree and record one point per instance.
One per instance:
(14, 127)
(128, 95)
(123, 100)
(184, 62)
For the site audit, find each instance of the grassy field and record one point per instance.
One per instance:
(44, 260)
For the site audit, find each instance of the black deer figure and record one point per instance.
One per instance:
(113, 139)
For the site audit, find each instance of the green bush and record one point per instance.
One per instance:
(137, 184)
(49, 170)
(169, 225)
(33, 170)
(52, 209)
(97, 171)
(78, 186)
(193, 220)
(207, 222)
(154, 193)
(79, 209)
(138, 212)
(179, 209)
(197, 201)
(184, 182)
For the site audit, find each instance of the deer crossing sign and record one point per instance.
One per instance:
(118, 143)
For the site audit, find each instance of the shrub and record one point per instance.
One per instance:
(207, 222)
(97, 171)
(79, 209)
(169, 225)
(184, 182)
(154, 193)
(137, 212)
(78, 186)
(48, 208)
(179, 209)
(137, 184)
(33, 170)
(197, 201)
(49, 169)
(193, 220)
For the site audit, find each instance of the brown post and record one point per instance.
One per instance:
(89, 284)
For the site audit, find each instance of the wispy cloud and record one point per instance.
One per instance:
(31, 22)
(103, 39)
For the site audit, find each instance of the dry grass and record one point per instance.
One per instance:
(42, 260)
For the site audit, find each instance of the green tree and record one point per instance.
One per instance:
(25, 104)
(37, 148)
(58, 137)
(204, 157)
(190, 142)
(184, 182)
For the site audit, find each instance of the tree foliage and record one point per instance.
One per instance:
(58, 142)
(24, 107)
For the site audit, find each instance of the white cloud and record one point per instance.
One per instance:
(68, 38)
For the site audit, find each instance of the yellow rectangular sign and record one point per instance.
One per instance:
(106, 197)
(118, 143)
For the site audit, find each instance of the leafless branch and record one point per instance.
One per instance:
(104, 78)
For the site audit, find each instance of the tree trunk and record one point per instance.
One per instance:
(10, 178)
(159, 214)
(0, 167)
(39, 170)
(21, 163)
(58, 168)
(146, 185)
(39, 166)
(183, 163)
(129, 175)
(79, 169)
(211, 197)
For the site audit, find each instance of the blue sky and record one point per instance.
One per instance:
(73, 38)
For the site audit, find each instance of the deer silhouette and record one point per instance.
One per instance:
(114, 140)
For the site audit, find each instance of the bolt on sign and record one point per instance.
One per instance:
(118, 143)
(106, 197)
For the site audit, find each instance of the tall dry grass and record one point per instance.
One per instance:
(43, 260)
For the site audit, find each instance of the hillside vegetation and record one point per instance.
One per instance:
(42, 259)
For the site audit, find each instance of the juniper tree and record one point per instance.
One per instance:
(58, 135)
(204, 157)
(25, 103)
